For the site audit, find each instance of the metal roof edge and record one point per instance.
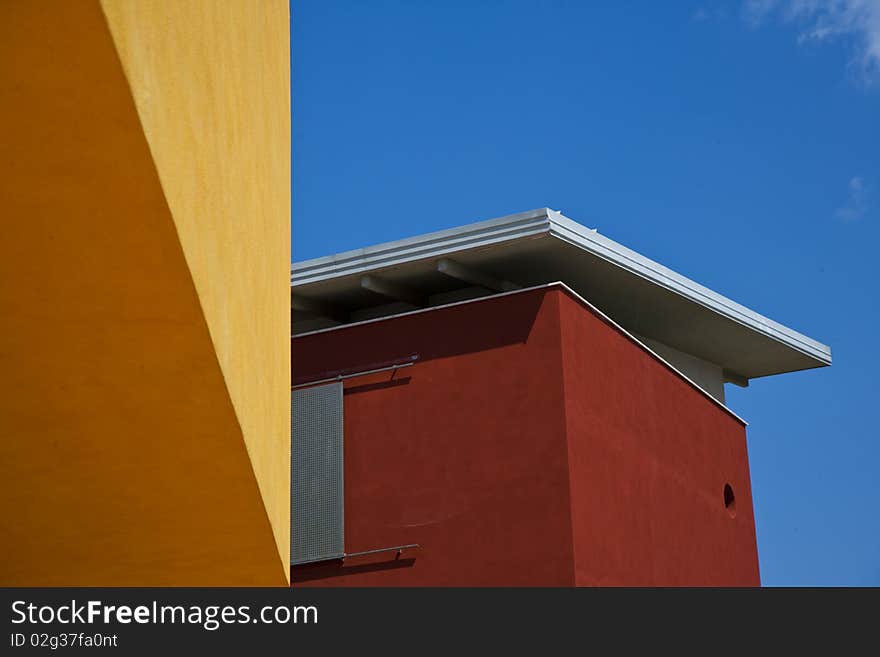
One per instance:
(540, 222)
(439, 243)
(561, 227)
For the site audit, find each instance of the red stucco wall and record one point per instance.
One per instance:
(649, 458)
(531, 444)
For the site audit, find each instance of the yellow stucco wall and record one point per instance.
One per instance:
(144, 366)
(210, 82)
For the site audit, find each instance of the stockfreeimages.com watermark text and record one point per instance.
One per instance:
(209, 617)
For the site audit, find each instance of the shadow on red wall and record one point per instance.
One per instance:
(483, 325)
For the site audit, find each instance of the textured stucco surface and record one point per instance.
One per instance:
(531, 444)
(463, 453)
(210, 81)
(649, 458)
(122, 459)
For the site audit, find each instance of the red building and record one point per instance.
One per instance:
(521, 402)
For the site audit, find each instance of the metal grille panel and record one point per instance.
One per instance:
(316, 474)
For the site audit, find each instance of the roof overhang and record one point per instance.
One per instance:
(537, 247)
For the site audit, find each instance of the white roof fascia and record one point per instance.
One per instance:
(535, 223)
(422, 247)
(603, 247)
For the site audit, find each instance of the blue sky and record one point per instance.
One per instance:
(736, 142)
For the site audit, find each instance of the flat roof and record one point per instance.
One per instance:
(538, 247)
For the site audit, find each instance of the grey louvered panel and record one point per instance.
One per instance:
(316, 474)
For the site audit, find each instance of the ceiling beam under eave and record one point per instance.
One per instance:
(735, 379)
(473, 276)
(319, 308)
(393, 290)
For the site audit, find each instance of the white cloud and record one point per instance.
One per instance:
(824, 20)
(857, 201)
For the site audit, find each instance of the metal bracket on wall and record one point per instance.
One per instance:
(397, 548)
(342, 377)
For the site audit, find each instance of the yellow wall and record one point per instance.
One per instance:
(144, 366)
(211, 83)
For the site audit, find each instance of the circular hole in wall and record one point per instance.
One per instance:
(729, 500)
